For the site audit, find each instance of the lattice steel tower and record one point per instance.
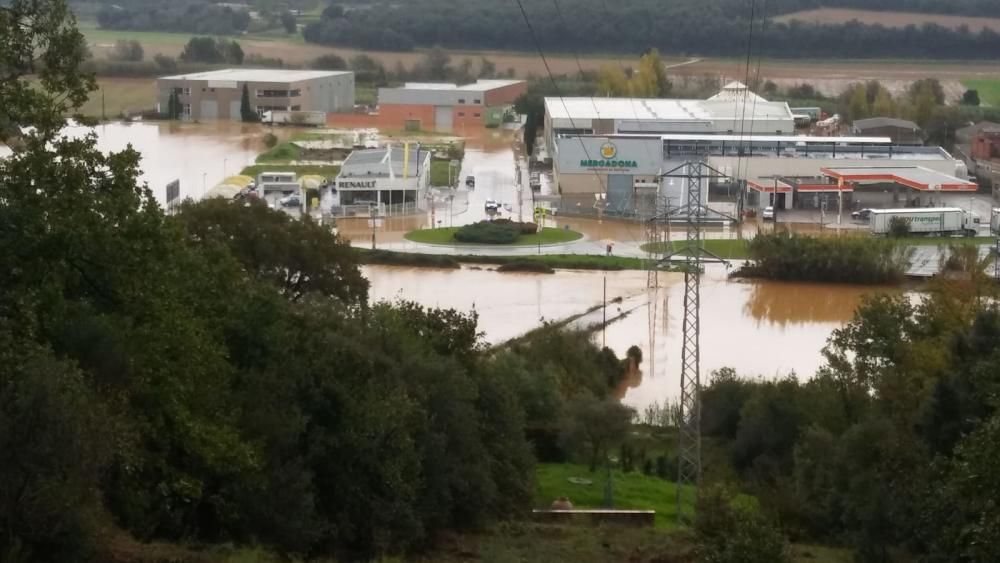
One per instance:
(692, 254)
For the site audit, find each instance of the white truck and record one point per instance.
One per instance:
(926, 221)
(308, 118)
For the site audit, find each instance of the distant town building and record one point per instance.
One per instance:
(448, 107)
(901, 131)
(392, 180)
(217, 94)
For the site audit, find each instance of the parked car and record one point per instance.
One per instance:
(470, 181)
(492, 205)
(290, 201)
(861, 214)
(768, 214)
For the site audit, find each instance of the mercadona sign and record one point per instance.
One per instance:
(609, 153)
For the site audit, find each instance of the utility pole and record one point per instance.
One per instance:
(693, 256)
(604, 307)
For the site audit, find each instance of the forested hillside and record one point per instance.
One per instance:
(680, 27)
(718, 27)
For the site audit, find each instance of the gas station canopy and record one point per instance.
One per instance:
(769, 185)
(916, 177)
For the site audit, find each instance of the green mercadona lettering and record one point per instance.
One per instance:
(609, 164)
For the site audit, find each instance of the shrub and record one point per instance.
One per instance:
(164, 62)
(489, 232)
(328, 62)
(730, 531)
(899, 227)
(270, 140)
(126, 50)
(791, 257)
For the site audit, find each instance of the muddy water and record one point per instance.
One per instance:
(761, 329)
(199, 155)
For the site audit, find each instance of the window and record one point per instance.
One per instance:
(477, 114)
(294, 93)
(186, 109)
(277, 93)
(461, 100)
(477, 101)
(296, 108)
(179, 91)
(461, 114)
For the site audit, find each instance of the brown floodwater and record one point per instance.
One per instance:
(765, 329)
(200, 155)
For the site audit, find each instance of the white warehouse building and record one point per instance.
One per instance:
(612, 154)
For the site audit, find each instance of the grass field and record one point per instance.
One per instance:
(891, 19)
(327, 171)
(440, 174)
(989, 90)
(736, 249)
(120, 95)
(730, 249)
(447, 236)
(631, 490)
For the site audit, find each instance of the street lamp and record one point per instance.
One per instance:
(204, 176)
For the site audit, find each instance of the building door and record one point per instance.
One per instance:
(209, 109)
(442, 118)
(620, 187)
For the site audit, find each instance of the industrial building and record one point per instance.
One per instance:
(624, 172)
(733, 111)
(218, 94)
(448, 107)
(388, 180)
(900, 131)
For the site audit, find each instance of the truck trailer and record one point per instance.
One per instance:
(926, 221)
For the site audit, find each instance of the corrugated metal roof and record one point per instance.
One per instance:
(663, 109)
(876, 122)
(258, 75)
(376, 162)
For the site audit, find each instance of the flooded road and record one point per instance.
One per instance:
(762, 329)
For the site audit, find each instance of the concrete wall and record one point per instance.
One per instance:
(328, 94)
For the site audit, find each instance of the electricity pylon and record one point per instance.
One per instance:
(692, 254)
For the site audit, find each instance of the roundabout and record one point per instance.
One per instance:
(446, 237)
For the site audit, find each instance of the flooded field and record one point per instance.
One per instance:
(197, 154)
(762, 329)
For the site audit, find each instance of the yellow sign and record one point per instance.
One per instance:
(608, 151)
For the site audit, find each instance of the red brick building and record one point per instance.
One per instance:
(448, 107)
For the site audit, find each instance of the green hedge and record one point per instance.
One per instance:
(863, 260)
(501, 231)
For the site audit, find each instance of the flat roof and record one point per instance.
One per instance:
(258, 75)
(643, 109)
(477, 86)
(752, 138)
(916, 177)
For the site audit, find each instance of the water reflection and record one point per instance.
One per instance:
(799, 303)
(761, 329)
(197, 154)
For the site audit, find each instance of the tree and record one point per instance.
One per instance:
(593, 427)
(328, 62)
(857, 100)
(487, 68)
(728, 530)
(883, 106)
(611, 81)
(288, 22)
(126, 50)
(212, 51)
(52, 52)
(435, 65)
(247, 113)
(928, 86)
(297, 257)
(332, 12)
(970, 98)
(650, 80)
